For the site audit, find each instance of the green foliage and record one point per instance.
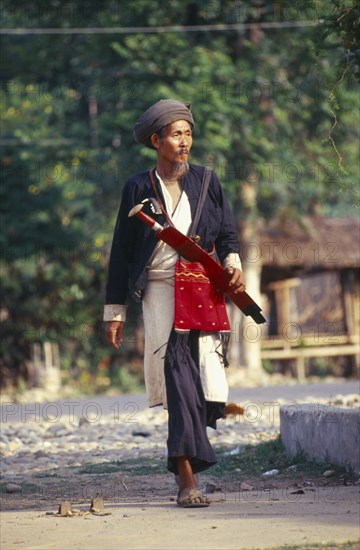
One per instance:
(265, 103)
(343, 23)
(254, 460)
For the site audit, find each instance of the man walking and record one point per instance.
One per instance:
(184, 372)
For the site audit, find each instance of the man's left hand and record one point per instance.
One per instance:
(237, 281)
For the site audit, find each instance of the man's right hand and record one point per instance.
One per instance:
(114, 333)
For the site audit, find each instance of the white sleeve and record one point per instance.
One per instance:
(115, 312)
(232, 260)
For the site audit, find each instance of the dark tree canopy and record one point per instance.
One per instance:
(275, 115)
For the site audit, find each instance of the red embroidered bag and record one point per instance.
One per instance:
(198, 303)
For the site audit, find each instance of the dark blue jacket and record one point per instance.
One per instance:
(134, 242)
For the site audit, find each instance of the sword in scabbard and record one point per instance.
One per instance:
(192, 252)
(148, 220)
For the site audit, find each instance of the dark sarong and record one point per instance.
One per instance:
(189, 413)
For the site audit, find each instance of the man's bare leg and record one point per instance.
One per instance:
(187, 479)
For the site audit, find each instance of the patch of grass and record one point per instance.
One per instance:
(308, 466)
(252, 459)
(139, 467)
(258, 458)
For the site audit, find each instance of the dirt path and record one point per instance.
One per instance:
(241, 520)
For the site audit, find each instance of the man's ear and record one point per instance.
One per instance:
(155, 140)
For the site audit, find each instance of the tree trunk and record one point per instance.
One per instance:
(245, 344)
(251, 333)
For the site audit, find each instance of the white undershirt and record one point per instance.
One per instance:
(163, 260)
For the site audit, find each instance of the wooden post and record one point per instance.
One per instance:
(351, 300)
(300, 368)
(36, 371)
(286, 309)
(287, 317)
(47, 370)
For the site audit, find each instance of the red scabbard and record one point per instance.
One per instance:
(194, 253)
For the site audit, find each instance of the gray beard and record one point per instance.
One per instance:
(180, 169)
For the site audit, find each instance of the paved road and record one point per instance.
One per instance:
(295, 392)
(132, 403)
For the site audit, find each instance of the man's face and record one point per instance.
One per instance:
(175, 144)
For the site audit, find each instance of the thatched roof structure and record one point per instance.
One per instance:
(313, 243)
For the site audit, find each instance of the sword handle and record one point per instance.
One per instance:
(137, 211)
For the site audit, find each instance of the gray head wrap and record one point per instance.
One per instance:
(161, 114)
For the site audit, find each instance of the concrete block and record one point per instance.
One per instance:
(322, 432)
